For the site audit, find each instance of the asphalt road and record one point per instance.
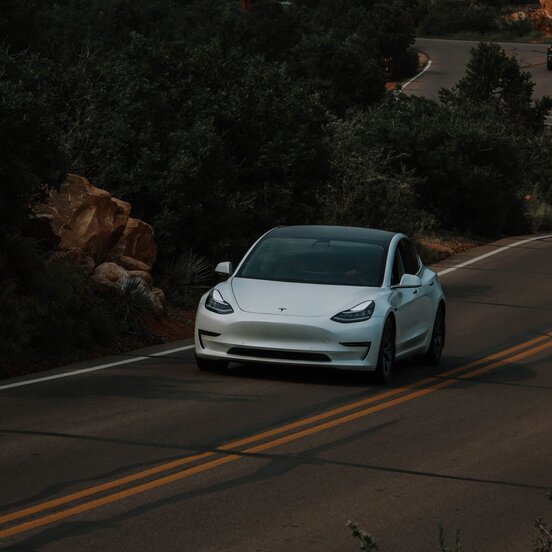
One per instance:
(155, 456)
(449, 58)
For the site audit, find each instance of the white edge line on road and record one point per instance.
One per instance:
(428, 65)
(94, 368)
(491, 253)
(188, 347)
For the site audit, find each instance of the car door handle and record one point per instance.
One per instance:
(415, 291)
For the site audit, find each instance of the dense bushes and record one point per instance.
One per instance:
(478, 163)
(217, 124)
(47, 308)
(468, 170)
(31, 155)
(370, 185)
(445, 17)
(474, 18)
(496, 81)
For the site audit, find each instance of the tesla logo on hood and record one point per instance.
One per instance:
(282, 309)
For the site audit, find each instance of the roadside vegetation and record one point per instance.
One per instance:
(490, 20)
(542, 540)
(218, 124)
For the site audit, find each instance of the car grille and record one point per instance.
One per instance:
(279, 355)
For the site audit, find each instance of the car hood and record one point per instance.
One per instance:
(269, 297)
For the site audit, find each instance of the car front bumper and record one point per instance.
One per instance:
(285, 339)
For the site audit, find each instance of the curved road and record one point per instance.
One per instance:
(449, 58)
(152, 455)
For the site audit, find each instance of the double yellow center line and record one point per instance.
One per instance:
(50, 511)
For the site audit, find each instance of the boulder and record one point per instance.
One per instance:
(144, 276)
(111, 272)
(104, 283)
(547, 8)
(132, 264)
(124, 206)
(85, 217)
(87, 226)
(136, 242)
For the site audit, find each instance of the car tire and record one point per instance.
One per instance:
(386, 355)
(208, 365)
(437, 344)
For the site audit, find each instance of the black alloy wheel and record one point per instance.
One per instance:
(386, 356)
(433, 355)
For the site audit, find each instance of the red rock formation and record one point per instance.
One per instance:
(547, 7)
(132, 264)
(144, 276)
(85, 217)
(95, 230)
(88, 219)
(110, 271)
(137, 243)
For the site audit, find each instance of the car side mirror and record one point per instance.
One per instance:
(410, 281)
(225, 268)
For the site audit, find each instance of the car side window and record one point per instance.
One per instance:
(409, 257)
(398, 269)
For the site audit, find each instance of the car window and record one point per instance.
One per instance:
(398, 269)
(316, 261)
(409, 257)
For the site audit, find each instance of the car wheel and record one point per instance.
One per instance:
(437, 344)
(208, 365)
(386, 355)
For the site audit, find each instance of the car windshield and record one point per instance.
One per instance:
(316, 261)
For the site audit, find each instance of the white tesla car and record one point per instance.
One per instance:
(332, 296)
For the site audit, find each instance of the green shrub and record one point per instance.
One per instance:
(367, 542)
(539, 213)
(516, 28)
(543, 540)
(369, 186)
(496, 81)
(49, 309)
(464, 167)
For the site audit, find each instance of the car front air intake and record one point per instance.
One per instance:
(279, 355)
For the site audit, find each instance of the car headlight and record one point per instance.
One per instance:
(215, 302)
(361, 312)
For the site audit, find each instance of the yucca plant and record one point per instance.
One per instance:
(185, 276)
(367, 542)
(543, 540)
(443, 547)
(132, 304)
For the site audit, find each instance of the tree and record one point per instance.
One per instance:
(495, 79)
(31, 157)
(469, 171)
(369, 186)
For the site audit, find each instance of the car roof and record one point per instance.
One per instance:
(343, 233)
